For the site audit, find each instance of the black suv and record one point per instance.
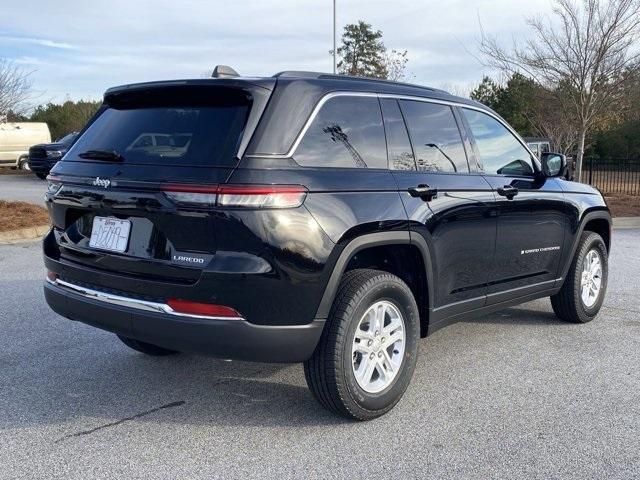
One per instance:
(44, 156)
(312, 218)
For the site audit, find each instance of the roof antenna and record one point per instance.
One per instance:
(224, 71)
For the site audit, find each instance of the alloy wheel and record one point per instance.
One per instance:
(591, 278)
(378, 346)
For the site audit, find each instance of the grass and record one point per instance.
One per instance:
(624, 205)
(13, 171)
(15, 215)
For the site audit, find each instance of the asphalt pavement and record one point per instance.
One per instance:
(23, 187)
(516, 394)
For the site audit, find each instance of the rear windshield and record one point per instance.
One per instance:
(168, 133)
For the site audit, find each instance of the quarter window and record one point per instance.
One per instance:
(347, 132)
(435, 137)
(501, 153)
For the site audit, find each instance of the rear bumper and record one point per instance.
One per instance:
(219, 337)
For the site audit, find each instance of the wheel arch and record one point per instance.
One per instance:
(602, 227)
(366, 247)
(598, 221)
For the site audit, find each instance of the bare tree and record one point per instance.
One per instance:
(557, 127)
(15, 88)
(548, 118)
(395, 62)
(582, 54)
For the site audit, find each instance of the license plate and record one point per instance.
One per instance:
(110, 234)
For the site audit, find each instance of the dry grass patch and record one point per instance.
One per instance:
(15, 215)
(624, 205)
(14, 171)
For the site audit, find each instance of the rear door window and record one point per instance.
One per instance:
(398, 145)
(175, 134)
(347, 132)
(435, 137)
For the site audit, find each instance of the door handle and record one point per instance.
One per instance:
(508, 191)
(425, 192)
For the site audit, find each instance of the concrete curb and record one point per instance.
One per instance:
(28, 233)
(626, 222)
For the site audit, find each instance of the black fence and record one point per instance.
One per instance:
(613, 177)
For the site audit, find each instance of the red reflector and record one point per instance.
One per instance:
(52, 276)
(206, 309)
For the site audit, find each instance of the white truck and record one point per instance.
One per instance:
(15, 140)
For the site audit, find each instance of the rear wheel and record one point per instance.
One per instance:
(581, 296)
(146, 348)
(367, 353)
(41, 176)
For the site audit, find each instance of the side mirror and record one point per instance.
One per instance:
(553, 164)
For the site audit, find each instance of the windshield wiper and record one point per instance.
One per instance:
(106, 155)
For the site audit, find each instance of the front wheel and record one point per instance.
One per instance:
(581, 296)
(23, 164)
(367, 353)
(41, 176)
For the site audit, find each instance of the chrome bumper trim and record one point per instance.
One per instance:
(127, 301)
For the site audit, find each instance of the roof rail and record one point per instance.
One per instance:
(298, 74)
(328, 76)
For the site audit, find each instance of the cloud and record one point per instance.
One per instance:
(42, 42)
(98, 44)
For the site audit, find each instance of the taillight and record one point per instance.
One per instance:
(237, 196)
(202, 195)
(204, 309)
(54, 184)
(283, 196)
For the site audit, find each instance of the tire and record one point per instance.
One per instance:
(330, 371)
(568, 303)
(41, 176)
(23, 164)
(146, 348)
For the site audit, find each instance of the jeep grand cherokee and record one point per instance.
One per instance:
(312, 218)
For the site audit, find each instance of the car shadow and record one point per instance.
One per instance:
(120, 385)
(83, 379)
(522, 315)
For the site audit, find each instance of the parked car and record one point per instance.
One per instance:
(313, 218)
(44, 156)
(15, 140)
(538, 145)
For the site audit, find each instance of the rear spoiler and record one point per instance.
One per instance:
(248, 83)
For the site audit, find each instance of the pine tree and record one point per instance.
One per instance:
(362, 52)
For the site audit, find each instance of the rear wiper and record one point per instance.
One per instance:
(109, 156)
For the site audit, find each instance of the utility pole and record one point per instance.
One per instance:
(334, 37)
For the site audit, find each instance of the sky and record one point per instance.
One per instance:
(77, 49)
